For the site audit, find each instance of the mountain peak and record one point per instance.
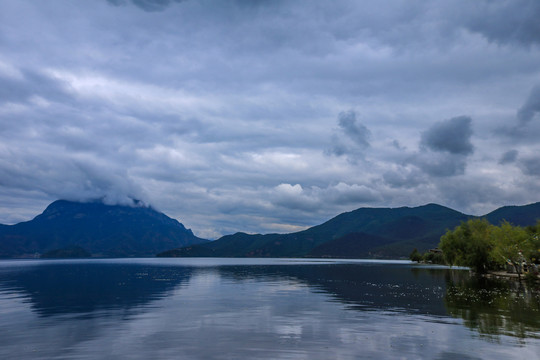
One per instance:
(63, 203)
(101, 229)
(361, 233)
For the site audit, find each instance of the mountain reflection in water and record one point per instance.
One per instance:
(396, 287)
(263, 308)
(85, 287)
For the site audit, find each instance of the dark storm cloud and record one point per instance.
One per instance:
(25, 84)
(444, 150)
(525, 127)
(441, 164)
(404, 178)
(531, 107)
(73, 177)
(530, 165)
(356, 131)
(209, 109)
(338, 149)
(452, 136)
(508, 157)
(147, 5)
(505, 22)
(296, 197)
(351, 139)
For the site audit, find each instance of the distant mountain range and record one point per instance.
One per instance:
(73, 229)
(362, 233)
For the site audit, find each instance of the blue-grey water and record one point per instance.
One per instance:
(260, 309)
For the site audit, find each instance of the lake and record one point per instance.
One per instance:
(196, 308)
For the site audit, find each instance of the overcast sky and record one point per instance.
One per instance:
(269, 116)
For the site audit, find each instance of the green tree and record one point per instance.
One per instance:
(415, 256)
(469, 244)
(511, 245)
(534, 243)
(433, 258)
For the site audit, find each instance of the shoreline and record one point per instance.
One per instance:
(506, 275)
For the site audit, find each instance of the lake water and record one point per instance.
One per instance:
(260, 309)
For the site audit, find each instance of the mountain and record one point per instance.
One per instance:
(353, 245)
(516, 215)
(365, 232)
(76, 228)
(73, 229)
(362, 233)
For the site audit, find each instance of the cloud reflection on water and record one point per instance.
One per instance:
(337, 310)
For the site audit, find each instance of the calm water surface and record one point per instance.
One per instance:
(260, 308)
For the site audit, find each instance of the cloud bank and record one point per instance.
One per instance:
(268, 116)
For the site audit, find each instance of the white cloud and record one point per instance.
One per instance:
(220, 113)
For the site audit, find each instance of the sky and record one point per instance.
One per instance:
(268, 116)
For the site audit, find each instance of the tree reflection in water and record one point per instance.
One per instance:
(494, 307)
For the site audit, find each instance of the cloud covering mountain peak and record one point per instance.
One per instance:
(260, 116)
